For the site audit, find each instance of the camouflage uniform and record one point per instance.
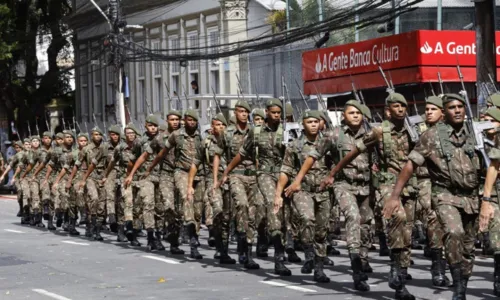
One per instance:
(39, 158)
(60, 194)
(14, 162)
(25, 184)
(110, 186)
(394, 145)
(455, 181)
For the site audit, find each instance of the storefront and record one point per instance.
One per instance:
(410, 60)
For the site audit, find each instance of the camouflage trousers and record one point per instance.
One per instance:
(148, 191)
(292, 221)
(399, 226)
(267, 186)
(172, 207)
(96, 201)
(334, 219)
(132, 205)
(378, 206)
(257, 219)
(19, 191)
(219, 209)
(26, 198)
(120, 204)
(110, 190)
(460, 225)
(358, 217)
(64, 195)
(494, 228)
(243, 191)
(313, 210)
(428, 215)
(46, 193)
(35, 195)
(192, 209)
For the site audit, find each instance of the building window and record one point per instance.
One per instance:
(142, 64)
(193, 44)
(96, 68)
(141, 95)
(175, 92)
(97, 109)
(175, 45)
(213, 40)
(157, 103)
(111, 94)
(215, 81)
(157, 64)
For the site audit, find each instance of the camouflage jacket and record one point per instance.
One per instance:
(230, 144)
(15, 161)
(42, 156)
(167, 166)
(185, 147)
(453, 163)
(265, 146)
(94, 154)
(123, 155)
(55, 161)
(295, 155)
(209, 149)
(140, 147)
(110, 151)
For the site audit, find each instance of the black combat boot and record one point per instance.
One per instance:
(50, 223)
(358, 276)
(46, 210)
(397, 279)
(242, 248)
(330, 244)
(487, 249)
(250, 263)
(232, 231)
(427, 251)
(319, 274)
(211, 239)
(224, 258)
(262, 246)
(290, 249)
(20, 211)
(38, 216)
(365, 264)
(308, 266)
(72, 230)
(112, 223)
(134, 242)
(193, 241)
(185, 236)
(97, 229)
(415, 239)
(129, 230)
(65, 225)
(120, 237)
(496, 274)
(59, 218)
(83, 216)
(88, 228)
(384, 250)
(159, 244)
(174, 245)
(31, 217)
(459, 282)
(279, 257)
(151, 240)
(438, 271)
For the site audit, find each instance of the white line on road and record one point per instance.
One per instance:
(49, 294)
(166, 260)
(15, 231)
(75, 243)
(288, 286)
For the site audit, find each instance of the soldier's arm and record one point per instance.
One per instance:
(192, 173)
(165, 147)
(49, 171)
(60, 176)
(18, 170)
(110, 167)
(139, 162)
(286, 171)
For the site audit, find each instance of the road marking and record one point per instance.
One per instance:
(75, 243)
(49, 294)
(166, 260)
(288, 286)
(15, 231)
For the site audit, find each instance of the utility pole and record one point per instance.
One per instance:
(485, 47)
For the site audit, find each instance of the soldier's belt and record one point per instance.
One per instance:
(310, 188)
(244, 172)
(354, 182)
(268, 169)
(440, 188)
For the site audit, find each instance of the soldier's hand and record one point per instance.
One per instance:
(292, 188)
(190, 194)
(127, 182)
(391, 206)
(68, 185)
(44, 183)
(278, 203)
(485, 216)
(54, 187)
(12, 181)
(146, 174)
(80, 185)
(1, 179)
(328, 181)
(222, 181)
(103, 181)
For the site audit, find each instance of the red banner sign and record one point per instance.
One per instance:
(417, 48)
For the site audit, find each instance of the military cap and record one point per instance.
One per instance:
(274, 102)
(447, 98)
(83, 134)
(244, 104)
(494, 99)
(19, 144)
(396, 98)
(494, 113)
(115, 129)
(232, 120)
(174, 113)
(355, 104)
(35, 137)
(47, 134)
(59, 135)
(311, 114)
(288, 109)
(26, 140)
(220, 117)
(163, 127)
(132, 127)
(435, 100)
(68, 132)
(153, 119)
(96, 129)
(365, 110)
(192, 113)
(259, 112)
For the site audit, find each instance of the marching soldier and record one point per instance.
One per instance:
(14, 162)
(312, 205)
(110, 187)
(455, 181)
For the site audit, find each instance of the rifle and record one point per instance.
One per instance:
(285, 131)
(29, 128)
(216, 101)
(150, 111)
(325, 108)
(259, 105)
(86, 127)
(415, 105)
(36, 124)
(473, 126)
(390, 89)
(440, 82)
(64, 124)
(432, 90)
(168, 96)
(239, 87)
(302, 96)
(47, 124)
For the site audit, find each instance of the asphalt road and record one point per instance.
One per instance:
(37, 264)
